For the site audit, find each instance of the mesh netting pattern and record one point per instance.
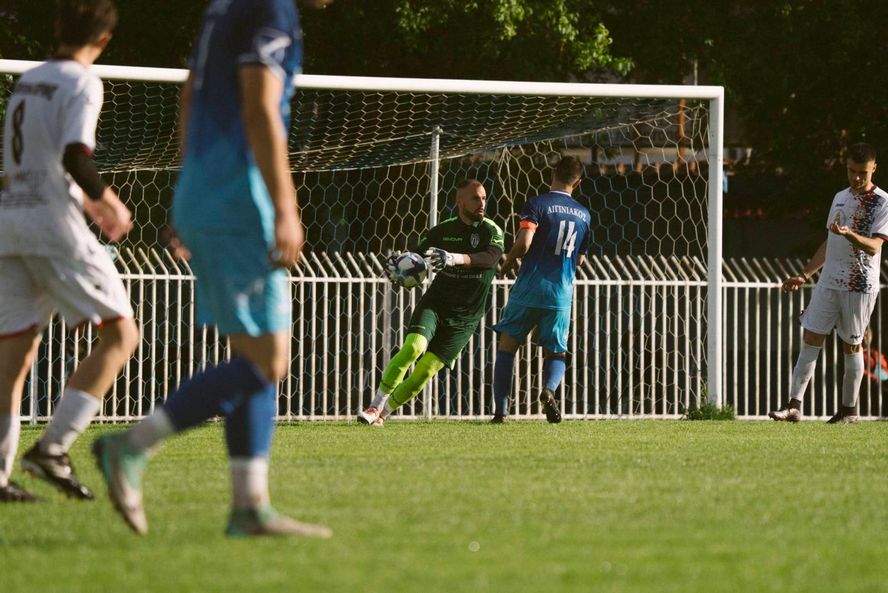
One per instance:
(361, 162)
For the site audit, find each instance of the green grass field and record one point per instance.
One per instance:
(425, 507)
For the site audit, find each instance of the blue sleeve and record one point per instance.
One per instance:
(531, 212)
(584, 245)
(270, 32)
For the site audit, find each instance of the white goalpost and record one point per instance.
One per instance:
(375, 161)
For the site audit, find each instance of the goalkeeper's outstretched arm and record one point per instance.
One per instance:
(485, 260)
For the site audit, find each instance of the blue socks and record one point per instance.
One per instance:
(553, 371)
(249, 428)
(233, 389)
(502, 382)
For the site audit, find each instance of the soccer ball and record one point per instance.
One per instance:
(410, 270)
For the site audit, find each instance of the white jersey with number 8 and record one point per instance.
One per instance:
(41, 208)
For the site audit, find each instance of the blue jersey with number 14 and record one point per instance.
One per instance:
(547, 272)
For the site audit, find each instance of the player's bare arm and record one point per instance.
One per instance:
(522, 244)
(110, 214)
(101, 203)
(794, 283)
(170, 239)
(869, 245)
(261, 93)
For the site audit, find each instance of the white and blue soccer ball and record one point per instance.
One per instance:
(410, 270)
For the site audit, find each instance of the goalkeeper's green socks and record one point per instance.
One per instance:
(414, 346)
(427, 367)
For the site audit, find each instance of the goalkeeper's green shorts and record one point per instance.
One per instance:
(447, 333)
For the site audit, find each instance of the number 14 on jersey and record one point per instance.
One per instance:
(567, 238)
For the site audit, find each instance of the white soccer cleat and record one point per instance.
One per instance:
(371, 416)
(122, 465)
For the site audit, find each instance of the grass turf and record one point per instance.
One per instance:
(584, 506)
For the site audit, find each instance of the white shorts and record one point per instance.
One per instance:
(83, 290)
(847, 312)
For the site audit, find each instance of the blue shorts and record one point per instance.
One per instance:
(552, 325)
(237, 288)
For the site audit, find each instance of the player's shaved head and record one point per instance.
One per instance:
(467, 185)
(81, 22)
(471, 198)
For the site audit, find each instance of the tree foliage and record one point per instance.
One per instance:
(150, 32)
(806, 77)
(493, 39)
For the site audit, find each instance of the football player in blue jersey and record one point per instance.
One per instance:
(235, 210)
(552, 240)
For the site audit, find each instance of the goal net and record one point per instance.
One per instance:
(375, 162)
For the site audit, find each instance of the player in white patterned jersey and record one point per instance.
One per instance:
(846, 291)
(49, 259)
(848, 267)
(52, 107)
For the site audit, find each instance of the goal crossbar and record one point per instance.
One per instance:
(419, 85)
(714, 149)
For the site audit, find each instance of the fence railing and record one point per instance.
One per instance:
(637, 345)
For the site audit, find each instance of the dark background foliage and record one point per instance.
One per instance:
(803, 79)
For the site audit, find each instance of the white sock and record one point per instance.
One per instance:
(71, 417)
(249, 482)
(10, 428)
(148, 434)
(804, 370)
(852, 379)
(379, 399)
(386, 409)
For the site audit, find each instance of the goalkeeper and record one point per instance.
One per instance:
(465, 251)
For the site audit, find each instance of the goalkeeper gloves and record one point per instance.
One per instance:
(439, 259)
(390, 266)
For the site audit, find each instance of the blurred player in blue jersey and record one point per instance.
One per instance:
(235, 210)
(552, 241)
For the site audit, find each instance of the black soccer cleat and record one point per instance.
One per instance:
(56, 470)
(843, 417)
(498, 419)
(550, 406)
(12, 492)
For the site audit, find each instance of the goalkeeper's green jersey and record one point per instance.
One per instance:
(462, 290)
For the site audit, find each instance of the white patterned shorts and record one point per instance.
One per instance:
(847, 312)
(82, 289)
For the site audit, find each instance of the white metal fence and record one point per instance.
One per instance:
(375, 160)
(762, 336)
(636, 349)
